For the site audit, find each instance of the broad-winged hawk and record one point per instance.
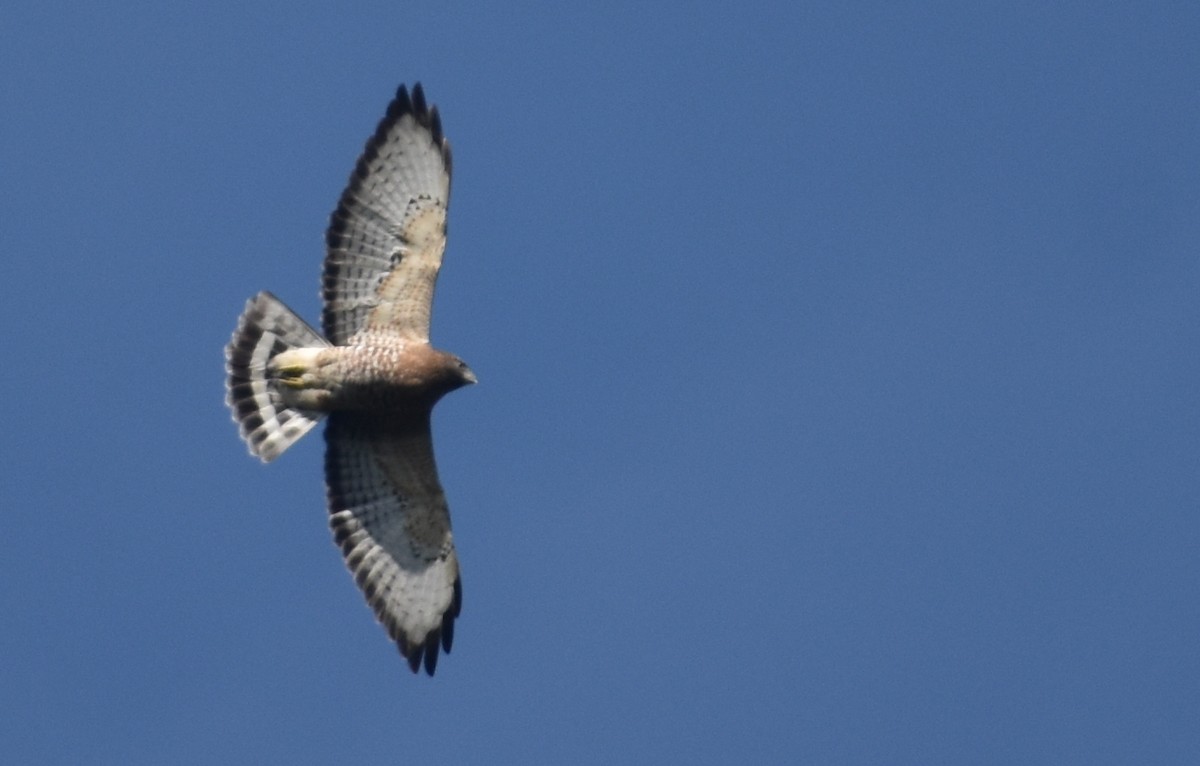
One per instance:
(374, 377)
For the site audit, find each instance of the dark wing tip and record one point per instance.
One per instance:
(401, 106)
(426, 116)
(456, 601)
(418, 96)
(424, 653)
(412, 654)
(442, 638)
(432, 647)
(451, 613)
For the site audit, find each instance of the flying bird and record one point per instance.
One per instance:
(374, 377)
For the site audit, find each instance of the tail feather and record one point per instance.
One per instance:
(266, 328)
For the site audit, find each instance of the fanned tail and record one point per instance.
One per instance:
(266, 328)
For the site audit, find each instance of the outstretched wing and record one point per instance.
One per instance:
(386, 237)
(389, 516)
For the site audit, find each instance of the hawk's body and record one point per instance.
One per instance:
(374, 376)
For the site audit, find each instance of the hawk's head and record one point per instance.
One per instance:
(453, 374)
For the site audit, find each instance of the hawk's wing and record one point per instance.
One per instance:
(386, 237)
(389, 517)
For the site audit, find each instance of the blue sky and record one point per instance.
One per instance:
(838, 398)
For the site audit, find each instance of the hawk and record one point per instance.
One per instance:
(374, 377)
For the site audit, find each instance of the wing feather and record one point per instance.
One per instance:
(389, 516)
(386, 238)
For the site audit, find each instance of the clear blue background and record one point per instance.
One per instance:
(839, 380)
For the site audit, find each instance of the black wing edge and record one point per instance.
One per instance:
(401, 105)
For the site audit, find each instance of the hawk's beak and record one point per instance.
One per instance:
(469, 376)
